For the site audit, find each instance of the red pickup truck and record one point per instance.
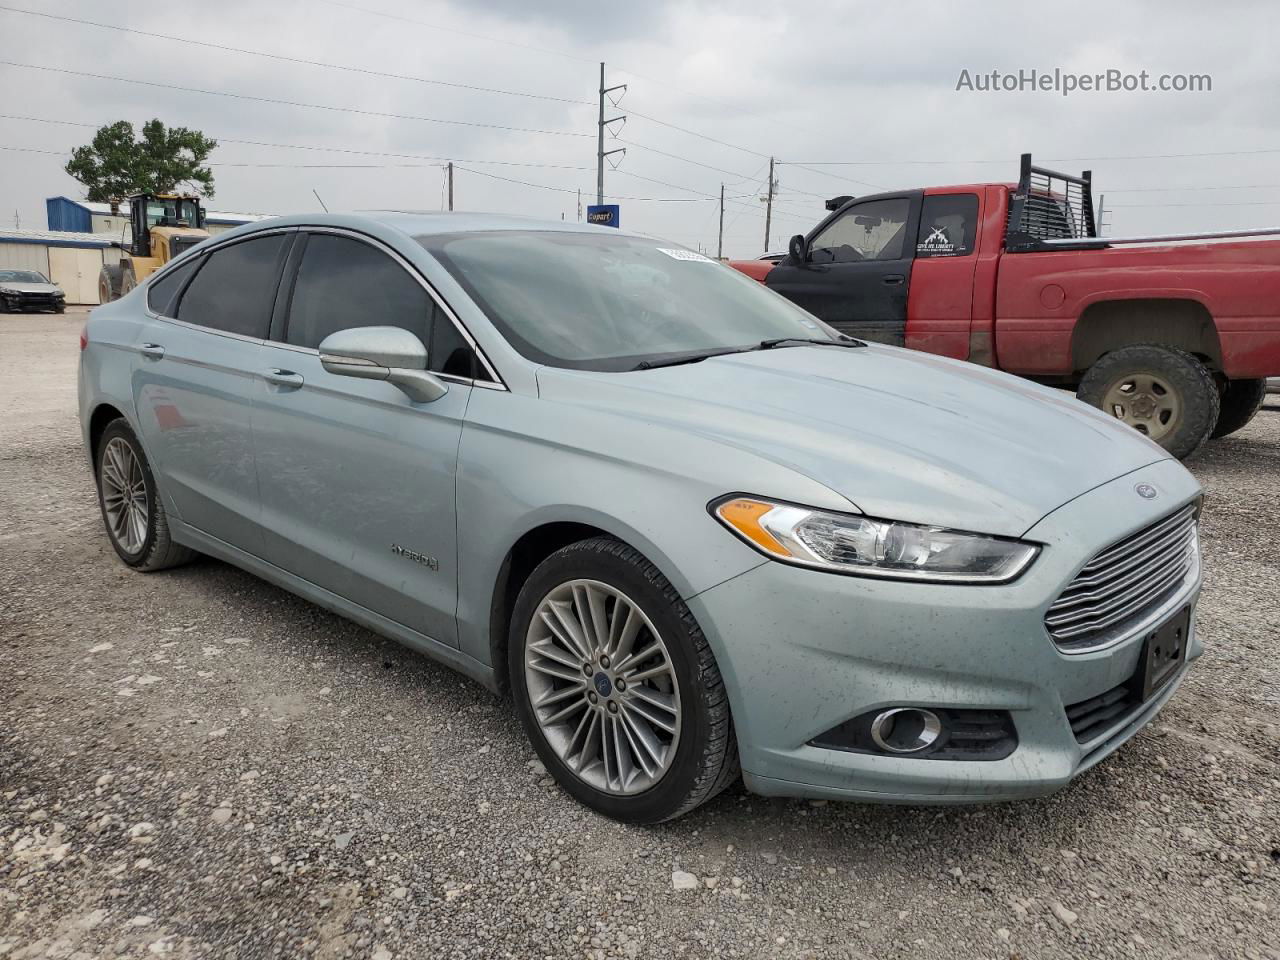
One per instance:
(1174, 335)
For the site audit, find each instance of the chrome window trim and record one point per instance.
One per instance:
(498, 383)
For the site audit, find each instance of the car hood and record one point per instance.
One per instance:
(24, 287)
(902, 435)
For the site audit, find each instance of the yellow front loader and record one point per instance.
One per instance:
(163, 226)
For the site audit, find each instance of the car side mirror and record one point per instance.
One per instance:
(798, 249)
(382, 353)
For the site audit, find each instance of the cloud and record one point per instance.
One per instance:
(837, 82)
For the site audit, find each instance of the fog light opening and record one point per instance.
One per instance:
(905, 730)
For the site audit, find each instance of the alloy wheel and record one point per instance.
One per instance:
(124, 495)
(602, 687)
(1145, 402)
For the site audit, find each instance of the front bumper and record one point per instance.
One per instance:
(803, 651)
(31, 302)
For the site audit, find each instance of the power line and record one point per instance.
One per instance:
(824, 173)
(316, 147)
(574, 190)
(1207, 203)
(742, 177)
(723, 104)
(700, 136)
(293, 103)
(1009, 162)
(186, 41)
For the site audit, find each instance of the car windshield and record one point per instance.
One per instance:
(606, 301)
(21, 276)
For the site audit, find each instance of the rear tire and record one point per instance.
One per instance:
(110, 279)
(130, 502)
(596, 585)
(1240, 401)
(1165, 393)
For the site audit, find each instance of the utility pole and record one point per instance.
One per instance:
(579, 205)
(601, 153)
(449, 173)
(1100, 221)
(768, 210)
(720, 241)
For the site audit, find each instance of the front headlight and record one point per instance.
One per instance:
(849, 543)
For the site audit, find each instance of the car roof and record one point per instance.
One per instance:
(418, 224)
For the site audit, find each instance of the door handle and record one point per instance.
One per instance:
(152, 351)
(893, 279)
(283, 378)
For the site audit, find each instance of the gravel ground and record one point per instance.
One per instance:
(195, 763)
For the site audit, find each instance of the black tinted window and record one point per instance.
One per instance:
(948, 225)
(346, 283)
(161, 292)
(235, 289)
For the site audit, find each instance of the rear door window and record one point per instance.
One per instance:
(235, 289)
(948, 225)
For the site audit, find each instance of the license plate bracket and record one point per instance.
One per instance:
(1163, 652)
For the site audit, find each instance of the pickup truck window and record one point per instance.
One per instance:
(948, 225)
(874, 230)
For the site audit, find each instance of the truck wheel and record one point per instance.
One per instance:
(110, 279)
(1240, 401)
(1163, 392)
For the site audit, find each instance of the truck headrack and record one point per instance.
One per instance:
(1050, 206)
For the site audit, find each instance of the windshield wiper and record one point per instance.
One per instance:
(676, 361)
(681, 358)
(816, 341)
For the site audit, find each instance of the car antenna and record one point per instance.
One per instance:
(322, 206)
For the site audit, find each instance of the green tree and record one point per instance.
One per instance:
(117, 164)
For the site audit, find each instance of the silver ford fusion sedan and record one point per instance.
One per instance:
(691, 530)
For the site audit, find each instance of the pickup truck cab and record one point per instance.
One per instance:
(1175, 336)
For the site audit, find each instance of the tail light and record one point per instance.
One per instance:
(84, 336)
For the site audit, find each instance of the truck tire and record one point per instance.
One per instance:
(1163, 392)
(110, 279)
(1240, 401)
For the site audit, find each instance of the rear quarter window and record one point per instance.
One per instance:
(161, 292)
(948, 225)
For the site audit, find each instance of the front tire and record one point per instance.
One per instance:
(131, 508)
(617, 687)
(1163, 392)
(1240, 401)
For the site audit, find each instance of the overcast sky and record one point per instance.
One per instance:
(811, 83)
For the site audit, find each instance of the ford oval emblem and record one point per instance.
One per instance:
(603, 686)
(1146, 491)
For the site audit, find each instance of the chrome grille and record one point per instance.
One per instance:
(1125, 581)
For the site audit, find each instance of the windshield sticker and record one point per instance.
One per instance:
(685, 255)
(937, 243)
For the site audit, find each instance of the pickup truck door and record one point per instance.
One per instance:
(857, 269)
(940, 307)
